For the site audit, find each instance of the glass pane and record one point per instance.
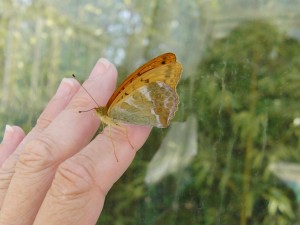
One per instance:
(231, 154)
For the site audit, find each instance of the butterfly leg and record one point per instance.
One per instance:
(128, 139)
(122, 128)
(103, 125)
(112, 142)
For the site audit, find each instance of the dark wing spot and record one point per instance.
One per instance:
(146, 80)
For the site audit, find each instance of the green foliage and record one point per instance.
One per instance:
(246, 101)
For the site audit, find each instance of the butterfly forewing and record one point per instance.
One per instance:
(154, 63)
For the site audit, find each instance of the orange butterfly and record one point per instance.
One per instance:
(147, 97)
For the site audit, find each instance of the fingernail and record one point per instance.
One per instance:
(100, 68)
(105, 63)
(8, 132)
(65, 87)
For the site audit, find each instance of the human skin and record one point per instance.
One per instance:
(58, 174)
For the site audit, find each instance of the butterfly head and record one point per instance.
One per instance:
(101, 111)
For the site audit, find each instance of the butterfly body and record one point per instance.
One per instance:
(147, 97)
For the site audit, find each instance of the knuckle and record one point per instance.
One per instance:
(37, 155)
(6, 175)
(7, 171)
(74, 178)
(43, 122)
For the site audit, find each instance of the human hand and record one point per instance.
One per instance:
(55, 174)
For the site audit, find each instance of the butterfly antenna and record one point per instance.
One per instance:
(73, 75)
(81, 111)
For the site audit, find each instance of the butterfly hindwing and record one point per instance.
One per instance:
(152, 104)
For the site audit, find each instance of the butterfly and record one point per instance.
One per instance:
(146, 97)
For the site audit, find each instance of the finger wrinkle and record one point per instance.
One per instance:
(38, 155)
(74, 178)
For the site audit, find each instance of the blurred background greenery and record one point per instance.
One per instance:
(232, 156)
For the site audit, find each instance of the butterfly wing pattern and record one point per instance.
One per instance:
(152, 101)
(147, 97)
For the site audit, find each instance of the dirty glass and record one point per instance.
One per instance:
(231, 155)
